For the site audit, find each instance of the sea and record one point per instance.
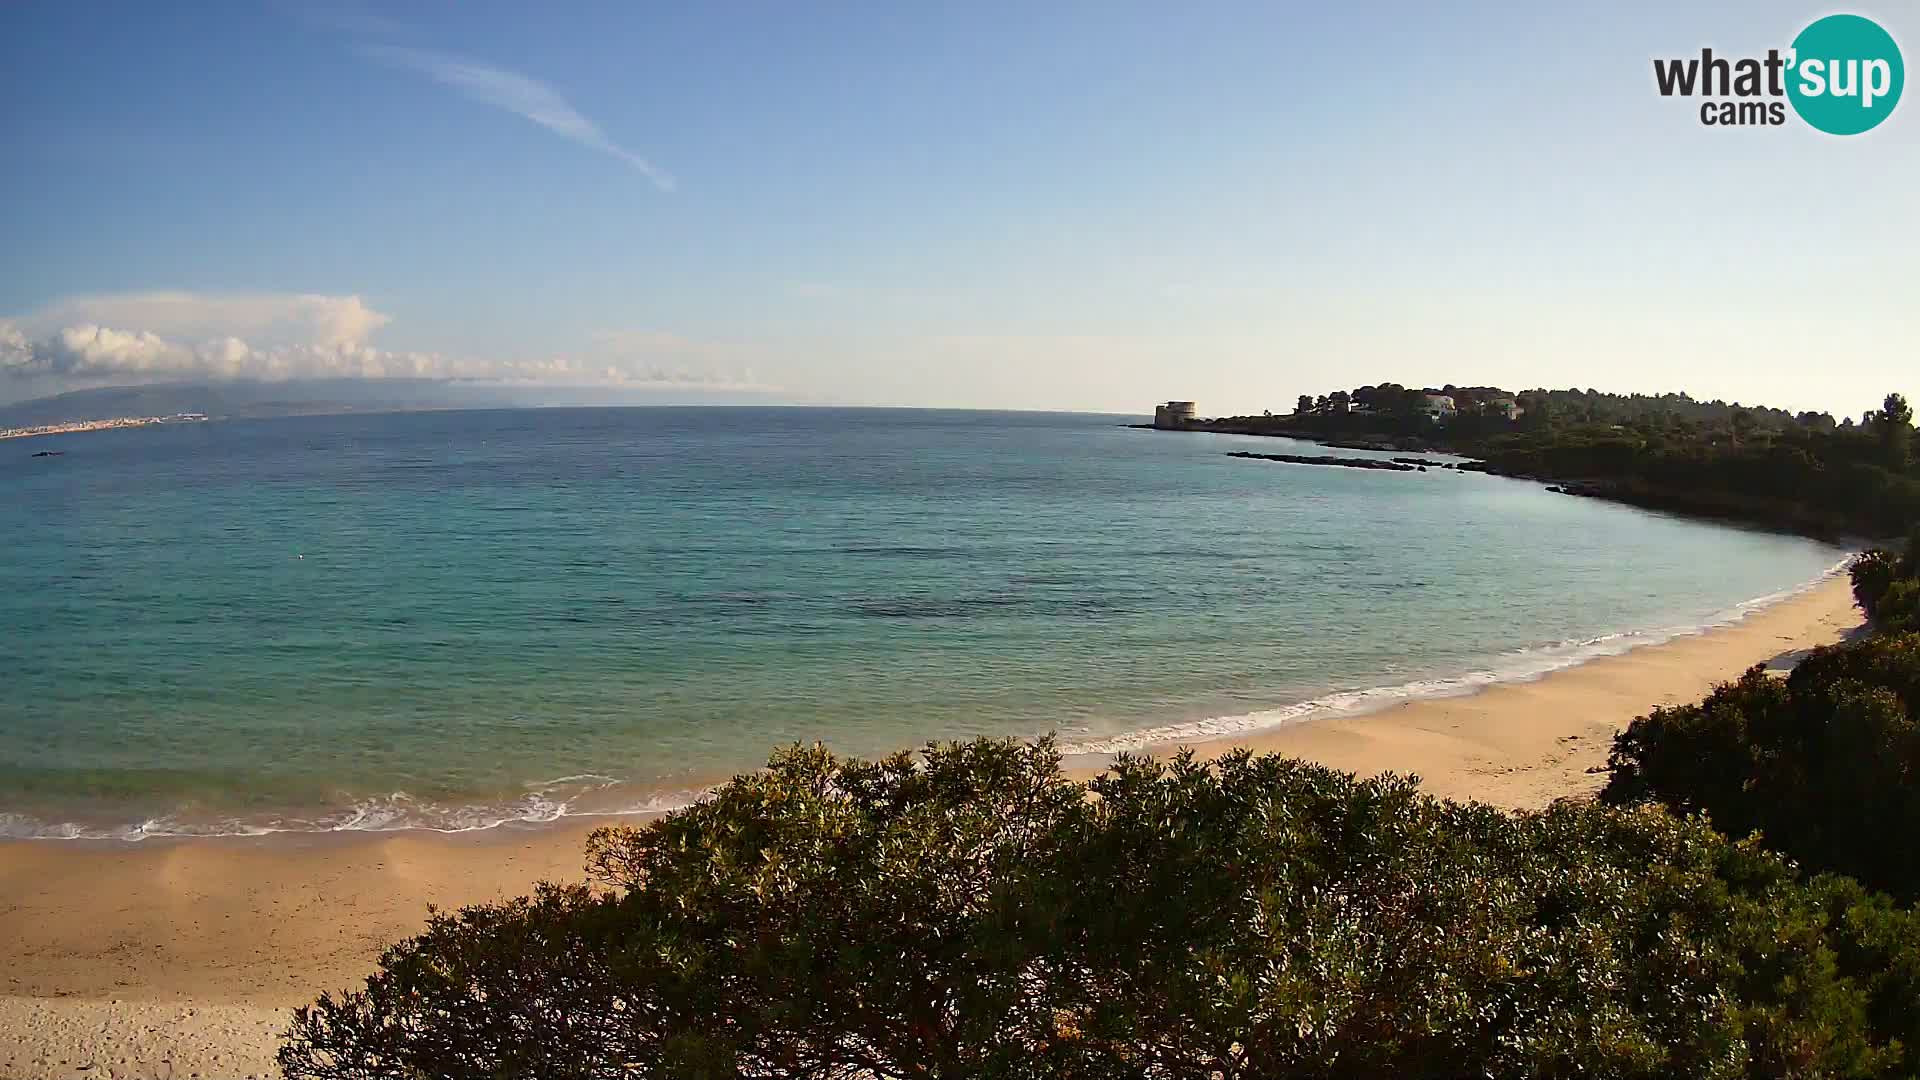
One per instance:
(463, 620)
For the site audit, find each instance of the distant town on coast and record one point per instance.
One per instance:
(99, 425)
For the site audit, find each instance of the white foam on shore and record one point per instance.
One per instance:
(1519, 666)
(552, 800)
(546, 801)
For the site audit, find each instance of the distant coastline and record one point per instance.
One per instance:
(1800, 473)
(100, 425)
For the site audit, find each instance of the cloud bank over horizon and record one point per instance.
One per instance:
(172, 336)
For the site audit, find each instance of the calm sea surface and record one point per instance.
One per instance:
(455, 619)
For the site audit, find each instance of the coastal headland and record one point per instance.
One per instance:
(1802, 473)
(119, 956)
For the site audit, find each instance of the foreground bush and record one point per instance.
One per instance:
(973, 913)
(1825, 764)
(1887, 587)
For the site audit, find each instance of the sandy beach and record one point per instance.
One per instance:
(182, 958)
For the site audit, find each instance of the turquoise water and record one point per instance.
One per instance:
(453, 619)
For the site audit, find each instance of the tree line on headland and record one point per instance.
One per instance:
(1738, 902)
(1801, 471)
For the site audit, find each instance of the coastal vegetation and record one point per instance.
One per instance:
(1887, 586)
(971, 911)
(1824, 764)
(1804, 472)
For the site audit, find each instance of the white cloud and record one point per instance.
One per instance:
(99, 348)
(263, 318)
(16, 352)
(517, 94)
(178, 335)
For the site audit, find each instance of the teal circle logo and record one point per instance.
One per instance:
(1845, 75)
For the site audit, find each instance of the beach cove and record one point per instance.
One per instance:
(451, 621)
(193, 951)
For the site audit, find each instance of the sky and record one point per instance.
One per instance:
(1086, 206)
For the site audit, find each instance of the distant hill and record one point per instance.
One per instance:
(227, 400)
(242, 400)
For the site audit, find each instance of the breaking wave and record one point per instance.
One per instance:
(587, 795)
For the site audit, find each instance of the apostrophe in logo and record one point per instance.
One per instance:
(1843, 75)
(1846, 74)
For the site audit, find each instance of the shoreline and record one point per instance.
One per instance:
(1543, 661)
(192, 950)
(614, 799)
(1524, 744)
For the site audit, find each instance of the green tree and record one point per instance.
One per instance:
(1895, 424)
(1898, 610)
(1743, 424)
(1873, 573)
(1303, 406)
(1884, 585)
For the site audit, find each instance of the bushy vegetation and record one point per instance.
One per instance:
(1887, 587)
(974, 913)
(1824, 764)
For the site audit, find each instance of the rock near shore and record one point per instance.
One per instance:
(1341, 462)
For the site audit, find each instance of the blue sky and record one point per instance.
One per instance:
(1086, 206)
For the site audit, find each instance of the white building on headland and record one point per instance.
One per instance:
(1439, 406)
(1174, 414)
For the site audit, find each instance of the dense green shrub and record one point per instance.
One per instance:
(1873, 573)
(973, 913)
(1898, 611)
(1887, 586)
(1825, 763)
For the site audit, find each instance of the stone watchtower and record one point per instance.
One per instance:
(1173, 415)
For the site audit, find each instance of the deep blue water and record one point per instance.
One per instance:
(451, 618)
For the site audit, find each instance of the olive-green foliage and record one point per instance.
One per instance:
(1825, 763)
(1887, 587)
(1898, 610)
(1873, 573)
(973, 913)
